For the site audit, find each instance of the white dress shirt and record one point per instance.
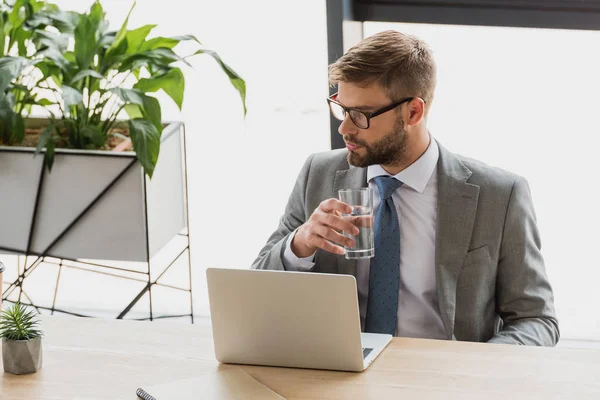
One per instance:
(416, 205)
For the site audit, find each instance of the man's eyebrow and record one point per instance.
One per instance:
(365, 107)
(361, 107)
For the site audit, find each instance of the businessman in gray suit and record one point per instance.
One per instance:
(457, 249)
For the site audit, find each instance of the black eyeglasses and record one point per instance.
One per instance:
(362, 119)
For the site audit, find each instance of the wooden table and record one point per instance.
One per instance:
(107, 359)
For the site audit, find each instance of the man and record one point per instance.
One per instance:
(465, 261)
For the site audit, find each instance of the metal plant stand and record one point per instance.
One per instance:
(149, 276)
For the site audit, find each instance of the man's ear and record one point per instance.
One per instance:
(416, 111)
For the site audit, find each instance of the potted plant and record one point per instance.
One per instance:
(19, 27)
(110, 180)
(21, 340)
(96, 87)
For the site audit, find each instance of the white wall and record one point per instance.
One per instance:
(526, 100)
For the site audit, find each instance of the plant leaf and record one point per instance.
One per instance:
(159, 42)
(137, 37)
(64, 21)
(45, 38)
(146, 143)
(150, 106)
(168, 56)
(21, 36)
(86, 41)
(50, 145)
(2, 34)
(18, 129)
(187, 37)
(160, 57)
(173, 83)
(129, 95)
(19, 323)
(107, 39)
(238, 83)
(94, 133)
(44, 102)
(57, 57)
(7, 104)
(122, 33)
(152, 111)
(43, 140)
(96, 14)
(134, 111)
(11, 68)
(71, 96)
(85, 73)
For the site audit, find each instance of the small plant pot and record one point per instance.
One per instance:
(22, 356)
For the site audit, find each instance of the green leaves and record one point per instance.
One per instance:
(2, 33)
(148, 106)
(173, 83)
(18, 128)
(90, 75)
(47, 141)
(7, 118)
(87, 35)
(58, 41)
(234, 78)
(71, 96)
(144, 127)
(121, 35)
(10, 68)
(94, 133)
(136, 38)
(146, 142)
(159, 42)
(85, 73)
(64, 21)
(19, 323)
(57, 57)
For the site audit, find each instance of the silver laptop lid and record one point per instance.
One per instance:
(290, 319)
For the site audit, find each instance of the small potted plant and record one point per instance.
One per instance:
(21, 340)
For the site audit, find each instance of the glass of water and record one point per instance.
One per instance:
(361, 201)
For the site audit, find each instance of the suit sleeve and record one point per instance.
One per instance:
(272, 254)
(524, 297)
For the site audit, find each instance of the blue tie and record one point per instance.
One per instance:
(384, 276)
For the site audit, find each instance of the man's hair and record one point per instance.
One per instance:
(402, 64)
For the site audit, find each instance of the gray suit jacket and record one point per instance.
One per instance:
(491, 280)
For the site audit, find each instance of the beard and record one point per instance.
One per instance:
(389, 150)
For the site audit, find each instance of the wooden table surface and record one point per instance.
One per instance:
(108, 359)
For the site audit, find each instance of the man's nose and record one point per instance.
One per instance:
(347, 127)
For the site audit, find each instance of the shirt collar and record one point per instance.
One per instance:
(417, 174)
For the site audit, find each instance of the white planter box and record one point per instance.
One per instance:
(132, 221)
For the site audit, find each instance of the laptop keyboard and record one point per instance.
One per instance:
(366, 352)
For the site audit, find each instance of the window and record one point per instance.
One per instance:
(525, 100)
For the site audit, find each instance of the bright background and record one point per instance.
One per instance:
(520, 99)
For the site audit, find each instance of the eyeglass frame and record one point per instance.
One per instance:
(368, 114)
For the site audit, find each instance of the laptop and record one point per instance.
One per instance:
(289, 319)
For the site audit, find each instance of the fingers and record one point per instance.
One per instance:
(331, 205)
(327, 233)
(325, 226)
(361, 221)
(330, 247)
(340, 224)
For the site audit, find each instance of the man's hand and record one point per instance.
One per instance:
(324, 227)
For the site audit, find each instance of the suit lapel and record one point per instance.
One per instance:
(348, 179)
(457, 207)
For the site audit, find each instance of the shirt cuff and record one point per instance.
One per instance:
(291, 262)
